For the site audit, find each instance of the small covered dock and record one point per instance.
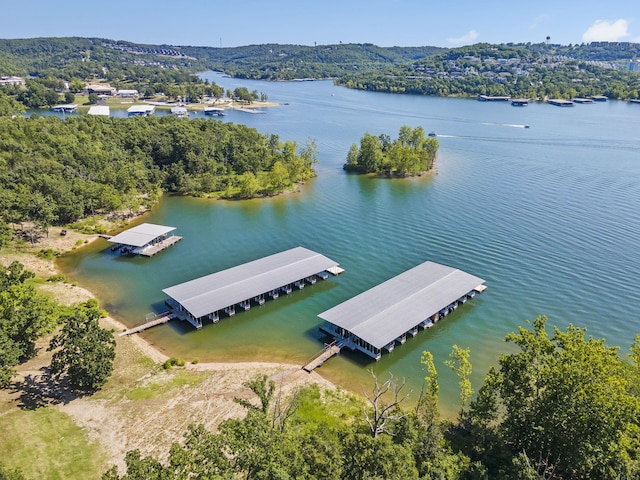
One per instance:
(69, 108)
(382, 317)
(180, 112)
(146, 239)
(141, 110)
(561, 103)
(493, 98)
(240, 287)
(100, 110)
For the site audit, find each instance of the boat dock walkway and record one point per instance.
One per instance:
(158, 247)
(159, 320)
(327, 352)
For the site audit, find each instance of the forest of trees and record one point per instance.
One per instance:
(525, 71)
(55, 171)
(562, 406)
(411, 153)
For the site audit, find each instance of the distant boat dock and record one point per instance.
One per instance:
(207, 298)
(490, 98)
(385, 315)
(561, 103)
(146, 239)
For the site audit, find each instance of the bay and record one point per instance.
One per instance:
(548, 215)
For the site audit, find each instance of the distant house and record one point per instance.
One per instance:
(100, 89)
(4, 81)
(101, 110)
(128, 93)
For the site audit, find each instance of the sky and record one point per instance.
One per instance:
(213, 23)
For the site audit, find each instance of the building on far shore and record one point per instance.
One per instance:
(128, 93)
(99, 89)
(6, 81)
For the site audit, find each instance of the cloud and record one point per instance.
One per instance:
(606, 31)
(539, 21)
(466, 39)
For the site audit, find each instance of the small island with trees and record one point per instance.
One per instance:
(412, 153)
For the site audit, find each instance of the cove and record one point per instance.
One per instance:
(549, 216)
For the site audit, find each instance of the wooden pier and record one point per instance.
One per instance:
(161, 319)
(158, 247)
(327, 352)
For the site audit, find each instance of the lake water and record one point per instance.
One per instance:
(548, 215)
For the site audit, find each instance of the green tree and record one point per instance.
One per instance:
(84, 351)
(278, 178)
(566, 399)
(5, 233)
(461, 365)
(366, 457)
(25, 315)
(263, 389)
(370, 154)
(248, 184)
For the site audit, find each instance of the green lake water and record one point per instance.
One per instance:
(548, 215)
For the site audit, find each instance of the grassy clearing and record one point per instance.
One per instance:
(49, 445)
(326, 407)
(165, 385)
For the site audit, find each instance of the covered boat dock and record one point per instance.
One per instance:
(383, 316)
(206, 298)
(146, 239)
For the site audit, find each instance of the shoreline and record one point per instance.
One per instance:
(142, 406)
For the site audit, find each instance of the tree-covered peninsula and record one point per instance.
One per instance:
(411, 153)
(55, 171)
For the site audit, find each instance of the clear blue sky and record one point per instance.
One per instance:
(446, 23)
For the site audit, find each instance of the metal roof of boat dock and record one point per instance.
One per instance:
(387, 311)
(216, 291)
(140, 235)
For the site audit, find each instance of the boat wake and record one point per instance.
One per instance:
(512, 125)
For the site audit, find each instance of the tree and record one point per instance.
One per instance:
(84, 350)
(461, 365)
(5, 233)
(370, 153)
(382, 415)
(366, 457)
(278, 178)
(565, 400)
(248, 184)
(428, 401)
(25, 315)
(264, 391)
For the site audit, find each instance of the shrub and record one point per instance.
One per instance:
(48, 254)
(58, 277)
(173, 362)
